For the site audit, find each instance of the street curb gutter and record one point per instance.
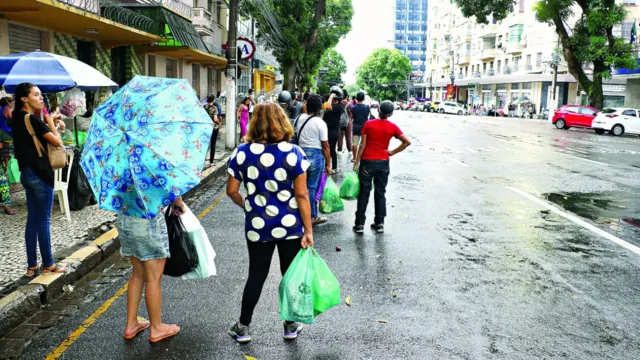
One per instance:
(26, 300)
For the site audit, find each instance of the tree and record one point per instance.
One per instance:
(589, 40)
(384, 74)
(299, 32)
(332, 66)
(352, 89)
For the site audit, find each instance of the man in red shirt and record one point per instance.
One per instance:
(373, 159)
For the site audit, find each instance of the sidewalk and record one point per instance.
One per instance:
(86, 225)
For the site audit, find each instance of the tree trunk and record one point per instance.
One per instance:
(596, 95)
(289, 76)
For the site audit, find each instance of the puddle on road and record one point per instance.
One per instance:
(613, 209)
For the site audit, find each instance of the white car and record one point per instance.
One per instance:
(617, 121)
(449, 107)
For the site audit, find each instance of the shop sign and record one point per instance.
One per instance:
(247, 48)
(270, 68)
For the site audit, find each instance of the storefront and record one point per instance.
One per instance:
(26, 39)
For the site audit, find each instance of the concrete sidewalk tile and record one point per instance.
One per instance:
(11, 348)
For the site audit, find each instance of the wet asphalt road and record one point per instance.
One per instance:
(479, 271)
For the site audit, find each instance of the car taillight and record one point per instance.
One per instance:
(610, 116)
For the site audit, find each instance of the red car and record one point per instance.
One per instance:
(574, 115)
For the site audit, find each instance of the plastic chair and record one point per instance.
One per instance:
(60, 187)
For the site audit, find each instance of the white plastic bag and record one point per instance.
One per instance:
(73, 103)
(206, 255)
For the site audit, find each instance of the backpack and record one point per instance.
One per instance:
(344, 118)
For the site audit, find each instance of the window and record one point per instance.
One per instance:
(151, 67)
(219, 12)
(491, 65)
(506, 63)
(626, 29)
(499, 63)
(521, 6)
(587, 111)
(516, 62)
(630, 113)
(529, 67)
(629, 2)
(484, 66)
(486, 87)
(539, 60)
(515, 86)
(527, 86)
(171, 69)
(515, 33)
(572, 109)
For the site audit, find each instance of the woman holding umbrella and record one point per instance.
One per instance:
(36, 175)
(277, 207)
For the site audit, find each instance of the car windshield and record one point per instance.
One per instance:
(608, 111)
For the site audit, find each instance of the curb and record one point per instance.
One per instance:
(26, 300)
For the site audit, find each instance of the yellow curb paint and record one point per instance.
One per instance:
(108, 236)
(59, 351)
(83, 253)
(64, 346)
(46, 280)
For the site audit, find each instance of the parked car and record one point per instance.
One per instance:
(617, 121)
(449, 107)
(433, 107)
(397, 105)
(574, 115)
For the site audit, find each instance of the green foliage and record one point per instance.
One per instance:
(336, 66)
(353, 89)
(384, 74)
(301, 35)
(585, 29)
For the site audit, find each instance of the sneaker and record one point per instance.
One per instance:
(358, 229)
(378, 228)
(319, 220)
(241, 333)
(292, 330)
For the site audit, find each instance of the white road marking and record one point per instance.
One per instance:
(581, 158)
(494, 148)
(470, 150)
(578, 221)
(581, 151)
(455, 161)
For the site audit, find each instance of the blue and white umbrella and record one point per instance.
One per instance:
(50, 72)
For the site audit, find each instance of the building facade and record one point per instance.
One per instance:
(410, 34)
(502, 62)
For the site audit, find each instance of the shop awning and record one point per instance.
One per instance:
(81, 22)
(190, 55)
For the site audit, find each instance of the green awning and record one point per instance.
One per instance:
(180, 32)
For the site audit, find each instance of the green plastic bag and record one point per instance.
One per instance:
(308, 288)
(296, 290)
(326, 288)
(350, 188)
(331, 201)
(13, 171)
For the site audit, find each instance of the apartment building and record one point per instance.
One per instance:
(410, 33)
(500, 63)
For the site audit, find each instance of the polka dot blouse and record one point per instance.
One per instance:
(268, 172)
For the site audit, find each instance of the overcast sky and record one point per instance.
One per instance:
(371, 28)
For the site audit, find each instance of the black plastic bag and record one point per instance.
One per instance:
(79, 190)
(183, 255)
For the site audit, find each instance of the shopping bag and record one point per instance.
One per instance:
(13, 171)
(323, 182)
(183, 257)
(73, 103)
(326, 288)
(296, 290)
(350, 187)
(331, 201)
(79, 190)
(206, 255)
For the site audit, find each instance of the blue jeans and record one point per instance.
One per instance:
(39, 206)
(314, 174)
(376, 172)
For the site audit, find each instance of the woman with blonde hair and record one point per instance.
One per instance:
(277, 208)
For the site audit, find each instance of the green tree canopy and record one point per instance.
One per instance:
(299, 32)
(585, 30)
(384, 74)
(332, 66)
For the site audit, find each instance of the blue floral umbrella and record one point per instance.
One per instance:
(146, 146)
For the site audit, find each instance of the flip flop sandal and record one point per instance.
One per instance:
(31, 272)
(54, 269)
(12, 212)
(144, 326)
(174, 329)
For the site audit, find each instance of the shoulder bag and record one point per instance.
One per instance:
(57, 154)
(296, 136)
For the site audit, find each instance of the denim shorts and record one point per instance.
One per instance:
(145, 239)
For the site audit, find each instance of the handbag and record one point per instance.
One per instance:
(57, 154)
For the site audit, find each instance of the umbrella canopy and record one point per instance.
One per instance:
(50, 72)
(146, 146)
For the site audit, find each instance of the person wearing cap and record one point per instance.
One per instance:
(372, 165)
(284, 99)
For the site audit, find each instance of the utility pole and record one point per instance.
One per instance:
(555, 63)
(232, 53)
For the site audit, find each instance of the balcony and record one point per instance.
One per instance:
(514, 48)
(178, 7)
(464, 60)
(489, 31)
(488, 54)
(203, 21)
(477, 74)
(491, 72)
(507, 70)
